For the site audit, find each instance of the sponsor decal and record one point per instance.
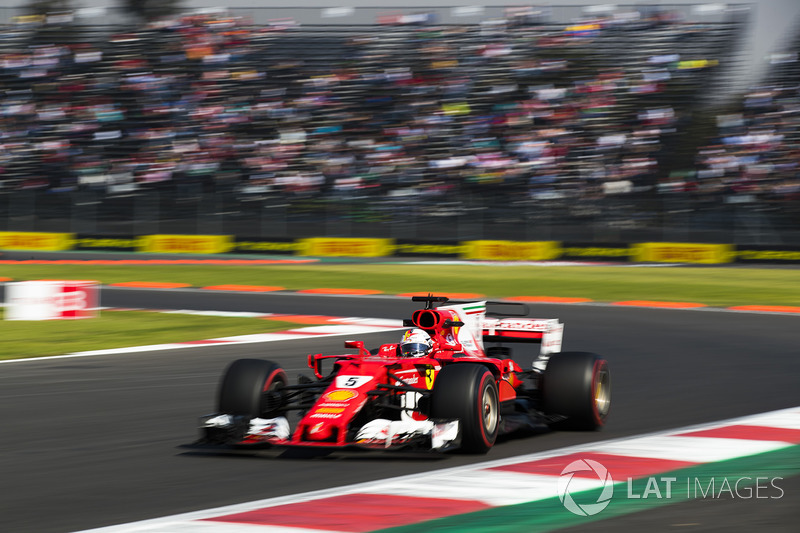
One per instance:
(430, 375)
(532, 325)
(188, 244)
(329, 410)
(51, 299)
(324, 415)
(340, 395)
(345, 247)
(666, 252)
(14, 240)
(409, 380)
(512, 250)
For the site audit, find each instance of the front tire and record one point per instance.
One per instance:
(468, 392)
(577, 385)
(251, 387)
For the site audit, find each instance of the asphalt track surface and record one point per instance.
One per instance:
(90, 442)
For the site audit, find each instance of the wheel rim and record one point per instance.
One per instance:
(270, 393)
(489, 411)
(602, 392)
(274, 385)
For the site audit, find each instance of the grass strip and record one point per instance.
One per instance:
(122, 329)
(714, 286)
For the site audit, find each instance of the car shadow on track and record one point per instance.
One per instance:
(339, 454)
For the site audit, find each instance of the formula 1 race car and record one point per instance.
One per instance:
(456, 389)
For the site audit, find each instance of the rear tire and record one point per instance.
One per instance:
(577, 385)
(251, 387)
(468, 392)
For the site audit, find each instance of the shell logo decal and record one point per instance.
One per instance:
(340, 395)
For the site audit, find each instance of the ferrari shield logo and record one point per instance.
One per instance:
(430, 374)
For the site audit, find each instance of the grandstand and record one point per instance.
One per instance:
(514, 124)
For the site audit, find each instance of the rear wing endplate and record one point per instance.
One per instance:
(548, 332)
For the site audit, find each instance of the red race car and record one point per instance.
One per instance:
(450, 384)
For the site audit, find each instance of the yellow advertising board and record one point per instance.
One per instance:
(186, 244)
(29, 240)
(512, 250)
(345, 247)
(681, 252)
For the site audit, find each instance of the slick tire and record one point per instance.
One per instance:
(468, 392)
(251, 387)
(577, 385)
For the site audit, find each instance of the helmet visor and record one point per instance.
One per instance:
(414, 349)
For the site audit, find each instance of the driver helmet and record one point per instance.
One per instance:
(416, 343)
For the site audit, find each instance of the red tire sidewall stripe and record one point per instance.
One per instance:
(271, 378)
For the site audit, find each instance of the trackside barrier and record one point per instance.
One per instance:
(346, 247)
(512, 250)
(186, 244)
(51, 299)
(36, 241)
(493, 250)
(672, 252)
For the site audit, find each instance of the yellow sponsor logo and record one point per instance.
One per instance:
(17, 240)
(186, 244)
(430, 375)
(330, 410)
(667, 252)
(340, 395)
(345, 247)
(512, 250)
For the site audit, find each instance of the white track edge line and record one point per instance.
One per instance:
(296, 335)
(364, 487)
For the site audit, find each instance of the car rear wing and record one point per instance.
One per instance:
(487, 321)
(548, 332)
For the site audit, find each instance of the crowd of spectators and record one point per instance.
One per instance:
(755, 157)
(407, 112)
